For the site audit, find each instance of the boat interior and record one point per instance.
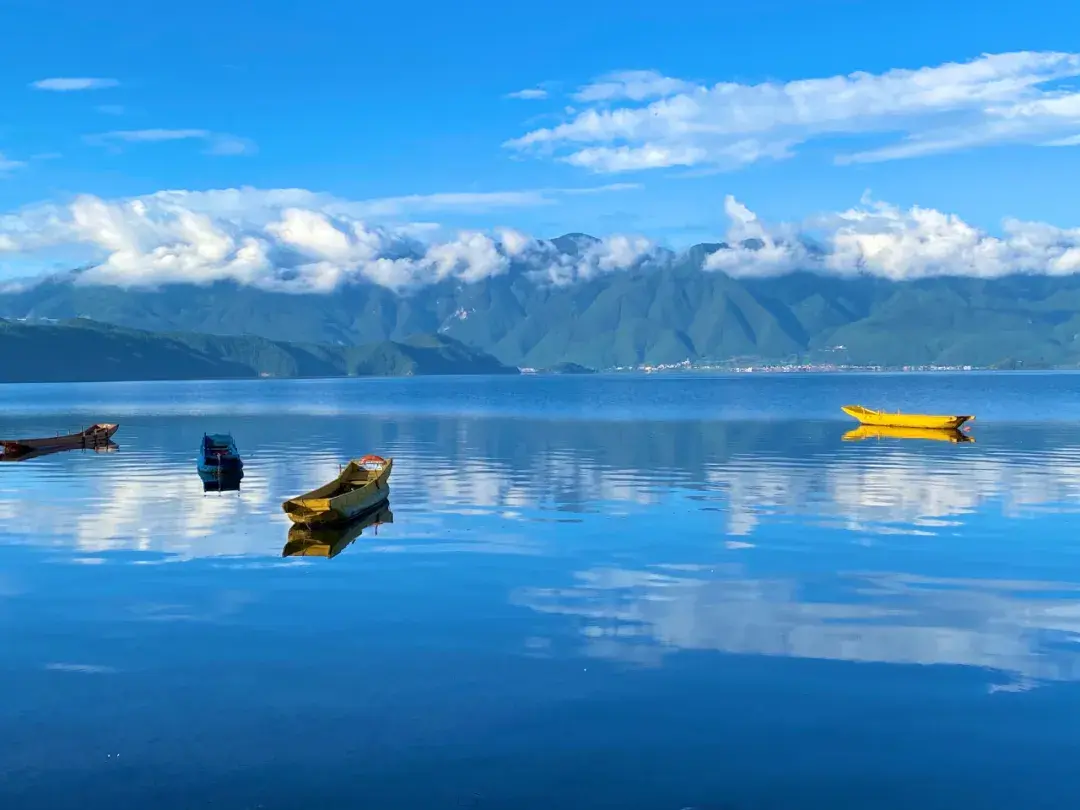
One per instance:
(355, 475)
(217, 443)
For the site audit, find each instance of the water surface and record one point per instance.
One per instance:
(603, 592)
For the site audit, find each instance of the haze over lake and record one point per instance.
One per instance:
(634, 592)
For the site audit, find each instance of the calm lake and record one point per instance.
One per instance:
(630, 592)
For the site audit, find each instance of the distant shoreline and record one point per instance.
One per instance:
(703, 371)
(827, 368)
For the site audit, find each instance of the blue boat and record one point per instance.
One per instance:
(219, 459)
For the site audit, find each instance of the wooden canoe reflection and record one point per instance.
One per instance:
(97, 435)
(18, 452)
(329, 541)
(884, 432)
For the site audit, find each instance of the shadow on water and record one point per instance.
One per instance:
(329, 541)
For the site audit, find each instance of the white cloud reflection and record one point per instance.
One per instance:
(1027, 630)
(457, 499)
(895, 490)
(136, 502)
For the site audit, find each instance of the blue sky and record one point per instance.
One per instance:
(365, 101)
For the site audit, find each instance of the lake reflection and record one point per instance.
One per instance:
(749, 474)
(534, 573)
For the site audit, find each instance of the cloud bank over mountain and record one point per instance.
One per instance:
(295, 240)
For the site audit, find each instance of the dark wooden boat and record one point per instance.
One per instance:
(219, 458)
(94, 436)
(20, 453)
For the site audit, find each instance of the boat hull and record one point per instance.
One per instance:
(904, 420)
(355, 491)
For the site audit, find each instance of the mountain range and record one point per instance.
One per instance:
(82, 350)
(663, 310)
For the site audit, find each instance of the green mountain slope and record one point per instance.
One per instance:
(84, 350)
(662, 312)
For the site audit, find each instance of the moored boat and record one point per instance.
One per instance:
(219, 458)
(361, 485)
(887, 432)
(867, 416)
(96, 435)
(329, 541)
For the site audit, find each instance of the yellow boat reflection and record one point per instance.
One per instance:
(886, 432)
(329, 541)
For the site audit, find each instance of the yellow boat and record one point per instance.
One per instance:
(361, 486)
(329, 541)
(908, 420)
(886, 432)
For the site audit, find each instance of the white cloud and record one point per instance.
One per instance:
(153, 135)
(66, 85)
(626, 158)
(529, 94)
(220, 144)
(296, 240)
(884, 240)
(606, 255)
(632, 85)
(217, 143)
(7, 164)
(996, 98)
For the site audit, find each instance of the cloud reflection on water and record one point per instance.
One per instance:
(1028, 630)
(591, 496)
(501, 472)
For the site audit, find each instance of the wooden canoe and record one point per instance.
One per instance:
(94, 436)
(361, 485)
(867, 416)
(885, 432)
(329, 541)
